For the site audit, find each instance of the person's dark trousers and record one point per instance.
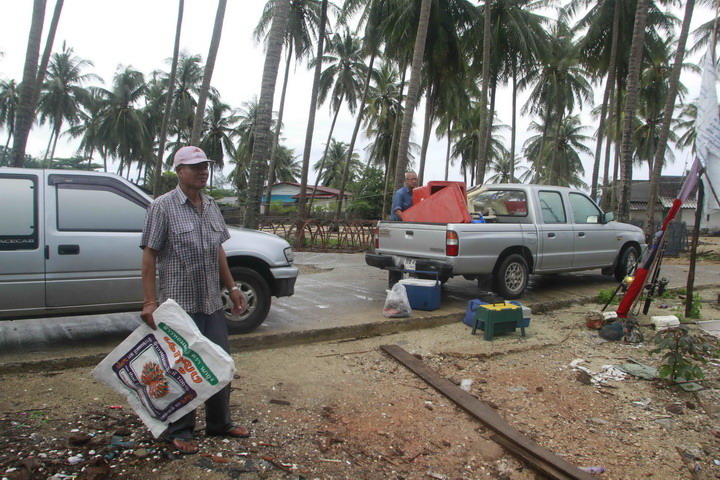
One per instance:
(217, 407)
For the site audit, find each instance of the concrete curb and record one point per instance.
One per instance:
(386, 326)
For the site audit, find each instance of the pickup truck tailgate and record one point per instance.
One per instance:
(426, 240)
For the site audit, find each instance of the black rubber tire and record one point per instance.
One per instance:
(626, 260)
(512, 277)
(257, 296)
(393, 277)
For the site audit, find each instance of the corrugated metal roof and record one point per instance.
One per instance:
(665, 203)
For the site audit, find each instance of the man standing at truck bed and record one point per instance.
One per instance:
(183, 236)
(402, 200)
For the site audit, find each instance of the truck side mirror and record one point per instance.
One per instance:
(608, 217)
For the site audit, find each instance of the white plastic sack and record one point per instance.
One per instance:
(397, 303)
(168, 372)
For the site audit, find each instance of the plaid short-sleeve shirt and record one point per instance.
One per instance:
(188, 244)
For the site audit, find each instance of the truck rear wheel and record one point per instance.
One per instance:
(257, 298)
(511, 278)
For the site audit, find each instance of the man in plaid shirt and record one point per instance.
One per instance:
(182, 239)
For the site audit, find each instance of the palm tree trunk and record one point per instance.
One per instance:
(413, 90)
(207, 75)
(429, 107)
(513, 128)
(631, 96)
(302, 210)
(278, 130)
(318, 177)
(447, 152)
(263, 124)
(57, 135)
(606, 194)
(491, 118)
(606, 100)
(351, 148)
(168, 103)
(390, 165)
(47, 149)
(482, 146)
(659, 159)
(26, 109)
(618, 138)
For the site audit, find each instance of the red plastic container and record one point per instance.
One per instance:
(448, 205)
(420, 193)
(437, 185)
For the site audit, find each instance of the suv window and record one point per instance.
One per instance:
(84, 207)
(18, 225)
(584, 210)
(551, 205)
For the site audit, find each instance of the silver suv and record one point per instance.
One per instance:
(69, 243)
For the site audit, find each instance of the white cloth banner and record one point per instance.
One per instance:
(707, 129)
(168, 372)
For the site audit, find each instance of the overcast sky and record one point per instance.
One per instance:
(141, 34)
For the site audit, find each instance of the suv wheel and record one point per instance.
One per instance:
(257, 298)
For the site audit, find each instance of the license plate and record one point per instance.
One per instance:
(409, 263)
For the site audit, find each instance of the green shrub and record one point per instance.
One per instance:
(682, 353)
(606, 294)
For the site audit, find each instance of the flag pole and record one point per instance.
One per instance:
(693, 250)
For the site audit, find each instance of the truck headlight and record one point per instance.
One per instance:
(289, 255)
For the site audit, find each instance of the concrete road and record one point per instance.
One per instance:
(336, 296)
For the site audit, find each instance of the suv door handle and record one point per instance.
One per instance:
(581, 234)
(68, 249)
(551, 235)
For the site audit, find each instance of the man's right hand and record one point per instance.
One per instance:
(147, 315)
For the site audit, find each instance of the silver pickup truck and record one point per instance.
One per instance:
(527, 229)
(69, 243)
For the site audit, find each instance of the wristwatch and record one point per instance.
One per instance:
(234, 288)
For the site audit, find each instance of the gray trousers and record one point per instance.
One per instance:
(217, 407)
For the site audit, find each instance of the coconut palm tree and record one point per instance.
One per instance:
(502, 167)
(168, 102)
(218, 131)
(287, 166)
(384, 106)
(555, 154)
(8, 107)
(88, 129)
(302, 205)
(413, 92)
(634, 66)
(302, 26)
(122, 130)
(63, 94)
(334, 162)
(560, 82)
(245, 134)
(184, 97)
(26, 108)
(517, 37)
(263, 135)
(345, 74)
(673, 89)
(605, 51)
(207, 73)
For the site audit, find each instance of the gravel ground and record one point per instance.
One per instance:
(347, 410)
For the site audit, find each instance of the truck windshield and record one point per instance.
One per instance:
(489, 203)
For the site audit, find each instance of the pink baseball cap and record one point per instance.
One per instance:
(189, 156)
